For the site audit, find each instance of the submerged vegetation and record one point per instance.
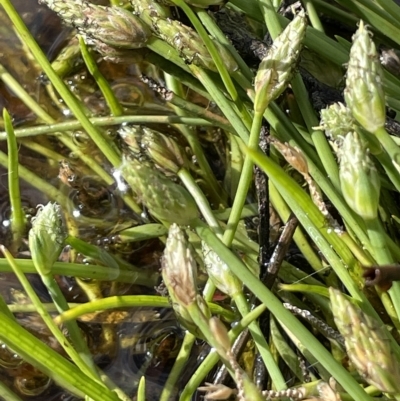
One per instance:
(200, 199)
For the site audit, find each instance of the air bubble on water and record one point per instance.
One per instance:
(76, 213)
(6, 223)
(67, 112)
(121, 185)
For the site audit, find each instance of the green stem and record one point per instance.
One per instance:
(201, 200)
(262, 345)
(69, 349)
(223, 72)
(383, 256)
(176, 98)
(270, 18)
(94, 272)
(129, 301)
(239, 125)
(216, 190)
(63, 372)
(59, 84)
(17, 216)
(141, 392)
(73, 330)
(313, 15)
(299, 238)
(106, 121)
(210, 24)
(42, 185)
(7, 394)
(244, 182)
(285, 317)
(109, 96)
(22, 94)
(180, 362)
(390, 146)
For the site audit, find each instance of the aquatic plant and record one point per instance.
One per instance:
(196, 187)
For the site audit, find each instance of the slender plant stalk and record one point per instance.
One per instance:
(7, 394)
(180, 362)
(58, 83)
(17, 216)
(194, 143)
(141, 392)
(383, 257)
(390, 146)
(262, 345)
(69, 349)
(215, 31)
(109, 96)
(50, 362)
(129, 301)
(200, 199)
(313, 15)
(281, 314)
(78, 270)
(244, 182)
(105, 121)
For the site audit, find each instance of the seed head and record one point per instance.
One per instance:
(113, 26)
(364, 92)
(46, 237)
(359, 178)
(337, 120)
(367, 343)
(164, 151)
(277, 67)
(189, 44)
(165, 199)
(179, 268)
(147, 10)
(179, 273)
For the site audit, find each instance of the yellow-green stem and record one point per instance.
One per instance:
(17, 214)
(244, 182)
(262, 345)
(383, 256)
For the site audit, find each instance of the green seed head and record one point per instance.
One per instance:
(166, 200)
(189, 44)
(179, 271)
(337, 120)
(364, 92)
(367, 343)
(113, 26)
(179, 268)
(164, 151)
(147, 10)
(46, 237)
(359, 178)
(277, 67)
